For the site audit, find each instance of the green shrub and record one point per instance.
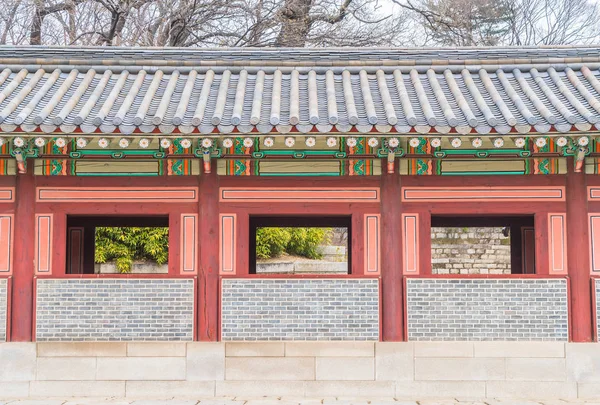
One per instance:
(124, 245)
(273, 242)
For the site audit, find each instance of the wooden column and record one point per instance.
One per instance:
(24, 242)
(391, 259)
(578, 255)
(208, 297)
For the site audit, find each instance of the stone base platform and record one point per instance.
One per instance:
(286, 401)
(404, 371)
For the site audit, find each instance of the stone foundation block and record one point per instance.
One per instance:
(17, 361)
(14, 389)
(345, 368)
(459, 369)
(440, 389)
(350, 388)
(259, 388)
(536, 369)
(519, 349)
(394, 361)
(205, 361)
(583, 362)
(255, 349)
(443, 349)
(170, 389)
(66, 368)
(532, 390)
(329, 349)
(77, 389)
(81, 349)
(141, 368)
(269, 368)
(156, 349)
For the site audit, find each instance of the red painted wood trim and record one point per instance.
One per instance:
(410, 235)
(227, 244)
(34, 311)
(578, 244)
(23, 263)
(392, 321)
(208, 298)
(594, 230)
(492, 276)
(372, 242)
(557, 244)
(542, 237)
(298, 194)
(43, 243)
(483, 194)
(117, 194)
(528, 249)
(7, 194)
(7, 229)
(188, 244)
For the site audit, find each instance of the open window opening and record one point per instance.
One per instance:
(117, 244)
(482, 245)
(300, 245)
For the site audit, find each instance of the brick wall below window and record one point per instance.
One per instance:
(285, 309)
(487, 309)
(115, 310)
(3, 308)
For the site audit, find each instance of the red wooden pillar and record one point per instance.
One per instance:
(22, 288)
(208, 297)
(578, 255)
(391, 259)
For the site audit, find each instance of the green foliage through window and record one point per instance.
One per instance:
(124, 245)
(273, 242)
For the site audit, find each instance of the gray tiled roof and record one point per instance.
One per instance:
(398, 90)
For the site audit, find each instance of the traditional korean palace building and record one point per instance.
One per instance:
(215, 143)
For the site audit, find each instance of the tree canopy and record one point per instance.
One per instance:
(299, 23)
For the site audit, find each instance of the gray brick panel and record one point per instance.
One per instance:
(597, 291)
(487, 309)
(300, 309)
(3, 308)
(115, 310)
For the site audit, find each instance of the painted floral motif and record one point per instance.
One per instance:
(456, 142)
(227, 143)
(541, 142)
(60, 142)
(332, 142)
(165, 143)
(82, 142)
(393, 143)
(123, 143)
(2, 141)
(436, 142)
(207, 143)
(477, 142)
(103, 143)
(144, 143)
(562, 141)
(373, 142)
(414, 142)
(248, 142)
(39, 142)
(19, 142)
(498, 142)
(351, 142)
(583, 141)
(290, 141)
(310, 141)
(269, 142)
(185, 143)
(519, 142)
